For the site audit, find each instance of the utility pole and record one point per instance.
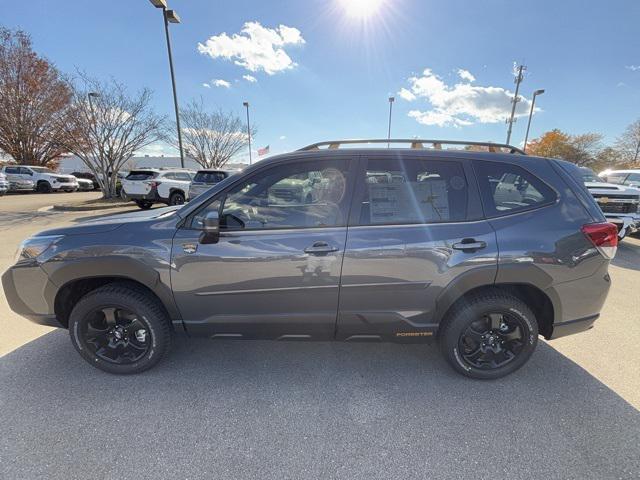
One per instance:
(391, 99)
(517, 81)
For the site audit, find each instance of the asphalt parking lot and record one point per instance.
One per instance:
(224, 409)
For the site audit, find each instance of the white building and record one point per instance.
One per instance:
(74, 164)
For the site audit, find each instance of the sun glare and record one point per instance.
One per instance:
(361, 8)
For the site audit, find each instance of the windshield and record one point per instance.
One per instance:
(209, 177)
(42, 169)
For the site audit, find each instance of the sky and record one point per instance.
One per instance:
(323, 69)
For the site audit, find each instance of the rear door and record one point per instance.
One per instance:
(275, 270)
(416, 227)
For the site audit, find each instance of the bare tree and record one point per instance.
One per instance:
(105, 126)
(33, 98)
(210, 138)
(628, 144)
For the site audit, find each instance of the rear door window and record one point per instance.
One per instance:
(507, 188)
(412, 191)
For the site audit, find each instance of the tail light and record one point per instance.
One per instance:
(604, 237)
(152, 183)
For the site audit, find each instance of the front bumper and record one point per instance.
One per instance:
(630, 222)
(72, 187)
(30, 294)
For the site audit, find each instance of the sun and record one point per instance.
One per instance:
(361, 9)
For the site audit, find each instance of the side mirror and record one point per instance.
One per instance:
(210, 228)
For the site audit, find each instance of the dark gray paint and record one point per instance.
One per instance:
(395, 279)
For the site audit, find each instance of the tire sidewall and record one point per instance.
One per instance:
(88, 305)
(458, 324)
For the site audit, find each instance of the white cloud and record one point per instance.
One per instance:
(250, 78)
(466, 75)
(460, 104)
(220, 83)
(283, 137)
(255, 48)
(406, 95)
(633, 68)
(206, 85)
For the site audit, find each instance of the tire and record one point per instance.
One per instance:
(149, 317)
(44, 187)
(144, 204)
(479, 335)
(176, 198)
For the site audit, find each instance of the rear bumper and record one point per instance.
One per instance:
(31, 294)
(152, 196)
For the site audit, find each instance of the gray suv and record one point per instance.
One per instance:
(481, 251)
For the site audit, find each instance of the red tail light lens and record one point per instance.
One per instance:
(152, 184)
(604, 237)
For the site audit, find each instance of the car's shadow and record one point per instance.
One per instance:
(225, 409)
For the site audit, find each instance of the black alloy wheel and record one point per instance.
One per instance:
(492, 341)
(489, 334)
(115, 335)
(120, 328)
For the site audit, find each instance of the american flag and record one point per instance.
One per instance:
(263, 151)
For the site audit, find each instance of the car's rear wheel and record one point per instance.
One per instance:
(176, 198)
(120, 328)
(44, 187)
(489, 335)
(144, 204)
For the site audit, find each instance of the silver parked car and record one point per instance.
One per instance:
(4, 184)
(205, 179)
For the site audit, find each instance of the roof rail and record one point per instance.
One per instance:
(415, 143)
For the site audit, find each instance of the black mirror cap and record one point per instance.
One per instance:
(211, 228)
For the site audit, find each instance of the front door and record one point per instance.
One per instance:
(275, 270)
(416, 227)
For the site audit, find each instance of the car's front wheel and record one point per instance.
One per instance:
(120, 328)
(44, 187)
(489, 335)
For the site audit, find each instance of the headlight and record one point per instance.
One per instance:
(33, 247)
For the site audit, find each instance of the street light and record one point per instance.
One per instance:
(246, 104)
(170, 16)
(391, 99)
(533, 102)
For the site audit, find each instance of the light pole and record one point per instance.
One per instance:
(170, 16)
(533, 103)
(391, 99)
(246, 104)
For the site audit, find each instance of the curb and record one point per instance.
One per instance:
(86, 208)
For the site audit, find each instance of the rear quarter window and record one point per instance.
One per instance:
(507, 188)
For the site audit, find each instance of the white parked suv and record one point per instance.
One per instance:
(44, 179)
(147, 186)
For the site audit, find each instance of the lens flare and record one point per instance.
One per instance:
(361, 8)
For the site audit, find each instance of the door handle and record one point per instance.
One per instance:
(320, 248)
(469, 244)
